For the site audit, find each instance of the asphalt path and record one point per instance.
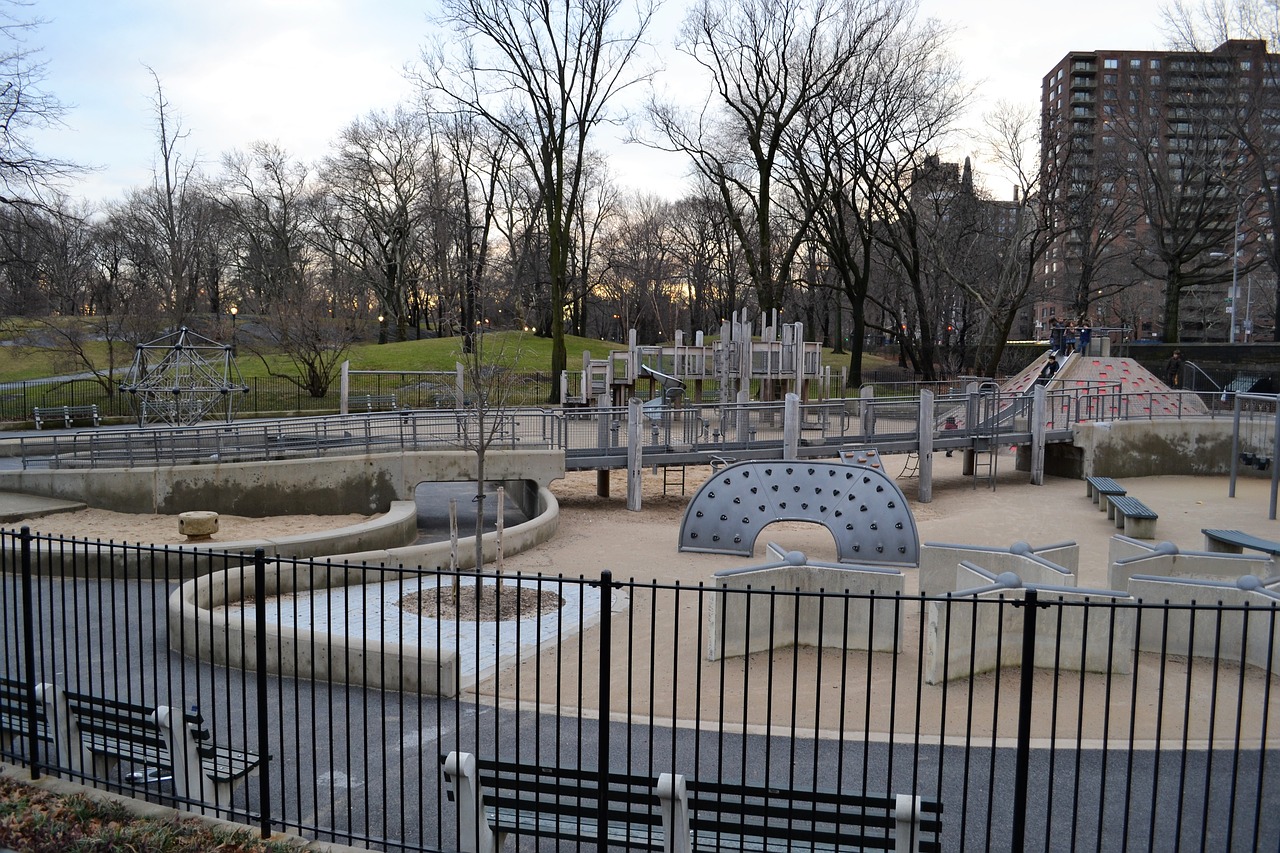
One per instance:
(356, 765)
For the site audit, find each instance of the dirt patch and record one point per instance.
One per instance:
(515, 602)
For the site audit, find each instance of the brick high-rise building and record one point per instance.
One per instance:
(1143, 162)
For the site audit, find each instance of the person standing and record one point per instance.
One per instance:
(1086, 335)
(1173, 370)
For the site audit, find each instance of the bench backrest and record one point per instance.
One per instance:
(821, 818)
(569, 793)
(16, 705)
(120, 721)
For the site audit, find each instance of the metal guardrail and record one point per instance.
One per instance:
(590, 435)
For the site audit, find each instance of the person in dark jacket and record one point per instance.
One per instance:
(1173, 370)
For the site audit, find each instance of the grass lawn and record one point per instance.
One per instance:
(528, 353)
(34, 820)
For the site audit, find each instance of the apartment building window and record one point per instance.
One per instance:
(1108, 78)
(1154, 65)
(1110, 63)
(1246, 65)
(1155, 79)
(1135, 63)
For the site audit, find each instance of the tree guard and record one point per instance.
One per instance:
(863, 508)
(182, 378)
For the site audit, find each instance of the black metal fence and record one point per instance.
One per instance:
(326, 673)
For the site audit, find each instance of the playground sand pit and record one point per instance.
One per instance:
(600, 533)
(102, 524)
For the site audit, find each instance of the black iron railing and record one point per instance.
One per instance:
(332, 674)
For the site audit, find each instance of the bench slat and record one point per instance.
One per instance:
(1132, 507)
(562, 803)
(1239, 540)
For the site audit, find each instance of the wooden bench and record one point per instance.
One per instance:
(93, 734)
(67, 414)
(1137, 519)
(1235, 541)
(17, 712)
(496, 799)
(1101, 488)
(730, 816)
(372, 403)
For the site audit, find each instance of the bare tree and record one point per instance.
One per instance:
(488, 374)
(1241, 32)
(770, 63)
(1182, 171)
(375, 207)
(867, 132)
(543, 75)
(26, 175)
(264, 193)
(168, 207)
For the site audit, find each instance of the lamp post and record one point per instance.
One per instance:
(382, 328)
(234, 311)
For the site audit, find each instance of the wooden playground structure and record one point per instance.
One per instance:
(778, 361)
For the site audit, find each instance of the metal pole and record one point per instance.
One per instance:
(602, 747)
(260, 653)
(1023, 760)
(1235, 269)
(1275, 461)
(1235, 447)
(29, 654)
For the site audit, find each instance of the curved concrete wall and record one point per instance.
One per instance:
(327, 486)
(389, 532)
(202, 626)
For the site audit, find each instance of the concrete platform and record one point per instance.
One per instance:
(15, 506)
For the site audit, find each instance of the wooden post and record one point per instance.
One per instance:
(635, 437)
(453, 534)
(791, 426)
(924, 430)
(502, 497)
(344, 388)
(1039, 409)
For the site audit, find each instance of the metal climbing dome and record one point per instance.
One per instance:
(182, 379)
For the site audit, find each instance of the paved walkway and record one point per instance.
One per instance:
(14, 506)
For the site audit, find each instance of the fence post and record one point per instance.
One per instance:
(602, 733)
(260, 655)
(29, 653)
(1022, 763)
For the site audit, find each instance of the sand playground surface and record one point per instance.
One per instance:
(600, 533)
(596, 534)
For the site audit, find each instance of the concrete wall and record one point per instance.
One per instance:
(201, 625)
(965, 637)
(1152, 448)
(941, 572)
(743, 622)
(331, 485)
(1252, 636)
(1168, 562)
(392, 531)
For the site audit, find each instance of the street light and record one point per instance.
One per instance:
(234, 311)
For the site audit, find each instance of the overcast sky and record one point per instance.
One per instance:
(295, 72)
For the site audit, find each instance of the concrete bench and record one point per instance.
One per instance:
(69, 415)
(1100, 488)
(1235, 541)
(1136, 518)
